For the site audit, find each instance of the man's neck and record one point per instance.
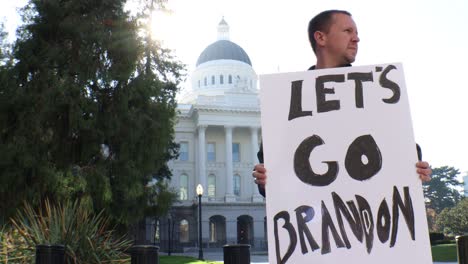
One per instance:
(319, 66)
(325, 60)
(328, 64)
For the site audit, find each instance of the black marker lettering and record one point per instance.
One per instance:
(367, 220)
(358, 78)
(386, 83)
(292, 237)
(295, 107)
(327, 223)
(407, 210)
(322, 104)
(303, 229)
(383, 222)
(302, 166)
(354, 221)
(363, 146)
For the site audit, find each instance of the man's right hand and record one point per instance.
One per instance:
(259, 173)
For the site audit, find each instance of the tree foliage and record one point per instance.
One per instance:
(441, 192)
(454, 220)
(4, 46)
(87, 110)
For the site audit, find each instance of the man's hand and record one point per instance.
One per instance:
(422, 168)
(259, 173)
(424, 171)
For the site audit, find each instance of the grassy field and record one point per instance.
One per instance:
(183, 260)
(440, 253)
(444, 253)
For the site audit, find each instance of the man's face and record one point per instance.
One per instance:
(341, 41)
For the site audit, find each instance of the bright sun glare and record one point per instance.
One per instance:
(162, 25)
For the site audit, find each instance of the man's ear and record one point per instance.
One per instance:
(320, 38)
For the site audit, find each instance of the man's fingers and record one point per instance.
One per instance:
(424, 171)
(422, 164)
(260, 168)
(424, 178)
(259, 174)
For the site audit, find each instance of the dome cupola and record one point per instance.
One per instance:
(223, 48)
(223, 74)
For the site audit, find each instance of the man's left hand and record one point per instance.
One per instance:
(424, 171)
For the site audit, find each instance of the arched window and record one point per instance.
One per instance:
(237, 184)
(211, 185)
(221, 79)
(206, 82)
(230, 78)
(217, 230)
(184, 231)
(183, 187)
(212, 80)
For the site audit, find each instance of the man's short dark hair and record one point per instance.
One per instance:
(322, 22)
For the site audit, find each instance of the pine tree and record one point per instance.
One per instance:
(91, 109)
(442, 191)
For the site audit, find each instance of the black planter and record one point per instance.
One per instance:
(236, 254)
(462, 245)
(50, 254)
(144, 254)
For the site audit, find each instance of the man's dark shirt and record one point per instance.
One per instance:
(260, 151)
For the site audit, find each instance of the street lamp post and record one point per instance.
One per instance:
(200, 248)
(169, 235)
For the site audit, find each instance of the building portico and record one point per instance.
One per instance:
(218, 129)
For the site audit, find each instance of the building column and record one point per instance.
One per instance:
(202, 159)
(256, 196)
(229, 178)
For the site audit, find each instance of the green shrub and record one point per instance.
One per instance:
(435, 237)
(14, 248)
(444, 242)
(86, 236)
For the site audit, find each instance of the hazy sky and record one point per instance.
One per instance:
(430, 38)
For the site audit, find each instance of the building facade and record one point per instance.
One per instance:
(218, 130)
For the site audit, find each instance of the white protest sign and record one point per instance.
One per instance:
(340, 157)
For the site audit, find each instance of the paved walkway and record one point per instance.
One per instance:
(255, 257)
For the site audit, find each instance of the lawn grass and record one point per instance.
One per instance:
(440, 253)
(444, 253)
(183, 260)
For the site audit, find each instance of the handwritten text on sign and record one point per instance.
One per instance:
(340, 155)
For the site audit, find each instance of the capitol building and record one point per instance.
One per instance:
(218, 129)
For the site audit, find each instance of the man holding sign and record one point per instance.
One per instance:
(341, 185)
(334, 39)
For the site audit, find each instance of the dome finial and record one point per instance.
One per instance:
(223, 30)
